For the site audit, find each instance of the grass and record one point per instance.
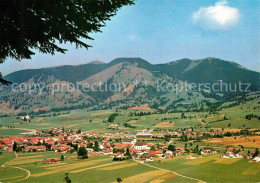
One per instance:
(212, 169)
(209, 168)
(151, 176)
(97, 169)
(94, 120)
(13, 132)
(9, 174)
(6, 156)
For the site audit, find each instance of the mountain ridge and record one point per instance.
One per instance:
(91, 68)
(128, 71)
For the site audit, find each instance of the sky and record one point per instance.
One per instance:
(161, 31)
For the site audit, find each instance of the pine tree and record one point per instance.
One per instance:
(14, 146)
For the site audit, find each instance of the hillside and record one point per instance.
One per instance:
(138, 81)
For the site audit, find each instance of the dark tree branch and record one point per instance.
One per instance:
(41, 24)
(4, 82)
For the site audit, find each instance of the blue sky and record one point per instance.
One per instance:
(161, 31)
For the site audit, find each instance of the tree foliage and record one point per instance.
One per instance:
(96, 146)
(83, 152)
(112, 117)
(128, 154)
(256, 153)
(28, 25)
(171, 147)
(14, 146)
(67, 179)
(119, 179)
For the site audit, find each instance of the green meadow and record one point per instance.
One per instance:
(102, 169)
(97, 169)
(208, 168)
(211, 168)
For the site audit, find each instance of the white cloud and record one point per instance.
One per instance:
(217, 17)
(132, 37)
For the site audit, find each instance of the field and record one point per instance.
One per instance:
(97, 169)
(209, 168)
(95, 121)
(29, 167)
(250, 141)
(6, 131)
(82, 119)
(165, 124)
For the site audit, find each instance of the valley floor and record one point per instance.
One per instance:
(28, 167)
(227, 128)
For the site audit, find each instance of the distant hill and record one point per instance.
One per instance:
(198, 71)
(128, 70)
(210, 70)
(65, 73)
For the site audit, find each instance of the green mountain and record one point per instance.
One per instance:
(65, 73)
(140, 79)
(197, 71)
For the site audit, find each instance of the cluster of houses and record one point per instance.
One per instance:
(252, 158)
(66, 142)
(189, 132)
(115, 144)
(149, 133)
(231, 153)
(33, 144)
(27, 117)
(144, 151)
(256, 159)
(208, 150)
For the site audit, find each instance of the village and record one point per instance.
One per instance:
(119, 145)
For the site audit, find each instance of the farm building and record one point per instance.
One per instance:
(141, 145)
(107, 152)
(35, 148)
(27, 117)
(113, 126)
(208, 150)
(51, 160)
(144, 134)
(119, 155)
(229, 154)
(256, 159)
(147, 158)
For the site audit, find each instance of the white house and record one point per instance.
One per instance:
(27, 117)
(225, 156)
(232, 155)
(168, 152)
(141, 146)
(256, 159)
(113, 126)
(89, 150)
